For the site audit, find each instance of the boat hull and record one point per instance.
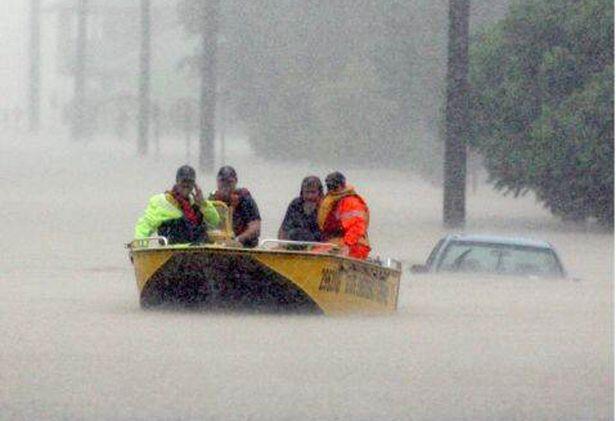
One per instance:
(216, 277)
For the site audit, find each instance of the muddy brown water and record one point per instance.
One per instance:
(76, 345)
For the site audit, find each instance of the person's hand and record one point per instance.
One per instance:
(198, 195)
(231, 242)
(344, 250)
(322, 249)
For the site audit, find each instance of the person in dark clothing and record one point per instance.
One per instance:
(300, 221)
(244, 209)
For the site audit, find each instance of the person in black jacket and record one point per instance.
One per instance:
(244, 209)
(300, 221)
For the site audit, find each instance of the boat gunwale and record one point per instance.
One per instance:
(238, 250)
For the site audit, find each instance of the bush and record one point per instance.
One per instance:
(542, 104)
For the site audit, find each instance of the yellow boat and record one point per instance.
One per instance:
(276, 276)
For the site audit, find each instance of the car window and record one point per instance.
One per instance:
(469, 258)
(531, 262)
(499, 258)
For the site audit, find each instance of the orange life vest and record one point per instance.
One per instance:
(343, 219)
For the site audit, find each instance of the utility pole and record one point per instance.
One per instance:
(144, 80)
(35, 65)
(456, 116)
(223, 126)
(79, 101)
(207, 111)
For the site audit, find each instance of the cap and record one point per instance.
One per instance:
(335, 180)
(185, 172)
(227, 172)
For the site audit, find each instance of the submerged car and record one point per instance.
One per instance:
(493, 255)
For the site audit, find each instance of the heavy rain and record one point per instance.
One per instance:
(103, 100)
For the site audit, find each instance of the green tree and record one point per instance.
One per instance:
(542, 104)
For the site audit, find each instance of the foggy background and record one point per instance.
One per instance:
(288, 77)
(75, 342)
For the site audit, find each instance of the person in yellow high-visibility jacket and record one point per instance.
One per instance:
(180, 214)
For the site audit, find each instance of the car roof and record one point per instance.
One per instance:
(498, 239)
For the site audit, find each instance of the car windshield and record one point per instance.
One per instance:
(500, 258)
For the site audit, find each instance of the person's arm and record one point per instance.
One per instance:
(149, 222)
(210, 214)
(353, 217)
(286, 222)
(251, 211)
(252, 231)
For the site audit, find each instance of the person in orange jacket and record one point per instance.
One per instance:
(344, 217)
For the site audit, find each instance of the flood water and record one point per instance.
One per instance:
(76, 345)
